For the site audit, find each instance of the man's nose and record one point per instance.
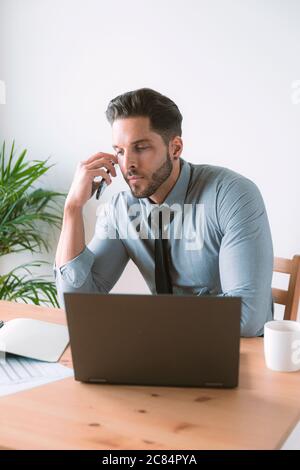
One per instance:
(129, 162)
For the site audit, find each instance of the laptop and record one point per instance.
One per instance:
(161, 340)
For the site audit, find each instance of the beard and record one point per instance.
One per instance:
(157, 179)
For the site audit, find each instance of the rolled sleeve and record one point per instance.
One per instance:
(75, 271)
(75, 275)
(98, 267)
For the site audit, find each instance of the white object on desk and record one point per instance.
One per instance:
(34, 339)
(282, 345)
(19, 373)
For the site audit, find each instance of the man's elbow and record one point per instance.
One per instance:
(254, 316)
(249, 330)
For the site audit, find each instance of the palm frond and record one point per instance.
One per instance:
(25, 208)
(19, 284)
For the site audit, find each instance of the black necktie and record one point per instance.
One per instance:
(162, 273)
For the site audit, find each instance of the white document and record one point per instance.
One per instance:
(19, 373)
(35, 339)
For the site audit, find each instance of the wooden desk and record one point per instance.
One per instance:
(259, 414)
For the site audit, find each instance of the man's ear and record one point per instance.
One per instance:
(177, 147)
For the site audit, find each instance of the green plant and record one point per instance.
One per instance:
(24, 210)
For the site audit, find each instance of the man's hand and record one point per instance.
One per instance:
(83, 185)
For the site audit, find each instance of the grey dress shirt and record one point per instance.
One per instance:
(225, 248)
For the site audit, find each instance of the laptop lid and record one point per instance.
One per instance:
(162, 340)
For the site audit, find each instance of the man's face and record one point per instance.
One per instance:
(143, 157)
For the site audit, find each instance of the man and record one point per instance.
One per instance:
(225, 247)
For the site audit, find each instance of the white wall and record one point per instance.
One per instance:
(229, 65)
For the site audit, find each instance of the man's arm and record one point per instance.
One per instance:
(96, 267)
(71, 241)
(246, 253)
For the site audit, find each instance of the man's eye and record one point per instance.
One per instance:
(137, 148)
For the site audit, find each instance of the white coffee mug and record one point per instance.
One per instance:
(282, 345)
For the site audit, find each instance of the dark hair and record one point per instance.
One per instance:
(165, 117)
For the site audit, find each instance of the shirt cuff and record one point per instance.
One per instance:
(75, 271)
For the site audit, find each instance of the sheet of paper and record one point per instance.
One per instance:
(19, 373)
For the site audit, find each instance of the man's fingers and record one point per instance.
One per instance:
(100, 164)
